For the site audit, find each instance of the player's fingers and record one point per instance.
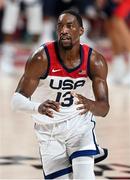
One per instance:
(54, 105)
(57, 104)
(80, 107)
(83, 112)
(75, 94)
(49, 113)
(79, 102)
(79, 96)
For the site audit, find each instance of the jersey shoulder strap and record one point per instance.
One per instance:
(87, 51)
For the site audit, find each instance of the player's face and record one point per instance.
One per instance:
(68, 31)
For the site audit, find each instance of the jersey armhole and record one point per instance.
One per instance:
(88, 63)
(48, 58)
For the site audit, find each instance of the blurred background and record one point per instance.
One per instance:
(27, 24)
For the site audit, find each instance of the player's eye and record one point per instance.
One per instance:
(58, 25)
(69, 25)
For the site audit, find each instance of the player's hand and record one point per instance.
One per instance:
(47, 106)
(83, 102)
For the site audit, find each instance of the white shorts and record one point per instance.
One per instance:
(62, 142)
(33, 14)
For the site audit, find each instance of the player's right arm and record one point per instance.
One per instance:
(35, 67)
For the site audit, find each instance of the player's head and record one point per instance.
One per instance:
(69, 29)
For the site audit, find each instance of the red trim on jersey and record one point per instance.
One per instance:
(57, 69)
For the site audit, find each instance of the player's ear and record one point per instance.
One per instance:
(81, 31)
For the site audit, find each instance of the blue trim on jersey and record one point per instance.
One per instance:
(82, 153)
(86, 152)
(94, 135)
(59, 173)
(88, 64)
(48, 58)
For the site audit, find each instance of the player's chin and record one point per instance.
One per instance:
(66, 45)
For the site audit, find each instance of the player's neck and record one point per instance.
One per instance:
(71, 58)
(72, 54)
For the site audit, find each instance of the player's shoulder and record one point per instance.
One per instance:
(96, 54)
(39, 53)
(37, 63)
(37, 58)
(98, 64)
(97, 57)
(42, 51)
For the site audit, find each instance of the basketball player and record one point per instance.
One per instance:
(64, 110)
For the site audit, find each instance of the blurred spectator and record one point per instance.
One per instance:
(2, 2)
(34, 15)
(52, 8)
(115, 13)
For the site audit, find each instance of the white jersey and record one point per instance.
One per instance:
(58, 83)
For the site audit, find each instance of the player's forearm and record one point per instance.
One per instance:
(22, 103)
(99, 108)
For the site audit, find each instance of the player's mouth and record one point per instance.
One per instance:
(65, 39)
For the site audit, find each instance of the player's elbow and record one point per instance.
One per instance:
(106, 110)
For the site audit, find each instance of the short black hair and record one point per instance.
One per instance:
(74, 13)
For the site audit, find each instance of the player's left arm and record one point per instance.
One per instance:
(98, 73)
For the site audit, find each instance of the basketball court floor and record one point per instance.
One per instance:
(19, 153)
